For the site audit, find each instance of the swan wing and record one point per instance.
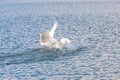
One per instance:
(52, 31)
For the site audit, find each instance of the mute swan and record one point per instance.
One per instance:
(48, 40)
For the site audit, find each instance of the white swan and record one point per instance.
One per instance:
(48, 40)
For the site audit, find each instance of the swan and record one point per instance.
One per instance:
(47, 39)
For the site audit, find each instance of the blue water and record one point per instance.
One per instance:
(93, 28)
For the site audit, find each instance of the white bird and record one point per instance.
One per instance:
(48, 40)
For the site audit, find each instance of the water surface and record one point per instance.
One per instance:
(93, 28)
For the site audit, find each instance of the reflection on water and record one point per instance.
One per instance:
(39, 54)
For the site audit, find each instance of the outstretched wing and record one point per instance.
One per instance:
(52, 31)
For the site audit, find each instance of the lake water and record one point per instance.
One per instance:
(93, 28)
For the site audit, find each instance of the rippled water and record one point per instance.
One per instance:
(93, 27)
